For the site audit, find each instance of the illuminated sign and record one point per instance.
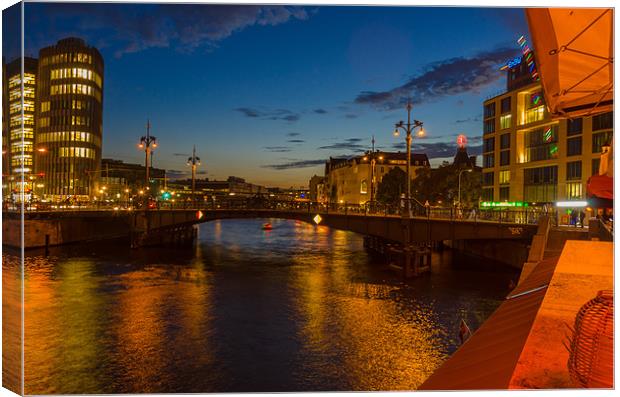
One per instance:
(461, 140)
(511, 64)
(492, 204)
(572, 204)
(317, 219)
(199, 214)
(528, 55)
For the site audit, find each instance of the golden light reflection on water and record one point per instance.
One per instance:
(300, 307)
(11, 323)
(382, 348)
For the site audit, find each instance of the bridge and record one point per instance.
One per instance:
(43, 228)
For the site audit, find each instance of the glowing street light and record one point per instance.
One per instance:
(147, 143)
(409, 127)
(193, 161)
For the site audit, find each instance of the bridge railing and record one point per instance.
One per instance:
(523, 216)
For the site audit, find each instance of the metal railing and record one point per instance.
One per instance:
(520, 216)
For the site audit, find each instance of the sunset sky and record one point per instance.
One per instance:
(268, 93)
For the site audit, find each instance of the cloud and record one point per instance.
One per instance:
(132, 28)
(293, 134)
(468, 120)
(277, 149)
(295, 164)
(320, 111)
(437, 149)
(351, 116)
(274, 114)
(444, 78)
(348, 144)
(296, 141)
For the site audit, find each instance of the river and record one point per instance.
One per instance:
(296, 308)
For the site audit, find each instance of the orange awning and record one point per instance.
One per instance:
(574, 51)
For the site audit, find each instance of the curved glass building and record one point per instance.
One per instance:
(69, 120)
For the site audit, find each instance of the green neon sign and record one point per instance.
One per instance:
(493, 204)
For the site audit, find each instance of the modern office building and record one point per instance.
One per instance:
(69, 119)
(530, 158)
(19, 129)
(349, 180)
(118, 176)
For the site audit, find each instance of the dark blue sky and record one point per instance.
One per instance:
(268, 93)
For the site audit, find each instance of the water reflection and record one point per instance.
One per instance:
(296, 308)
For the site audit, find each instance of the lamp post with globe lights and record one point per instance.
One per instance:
(409, 128)
(194, 162)
(147, 143)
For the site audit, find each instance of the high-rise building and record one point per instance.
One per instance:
(530, 158)
(18, 127)
(69, 119)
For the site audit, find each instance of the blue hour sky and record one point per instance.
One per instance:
(269, 93)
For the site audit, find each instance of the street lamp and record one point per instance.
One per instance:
(409, 128)
(193, 162)
(461, 172)
(147, 143)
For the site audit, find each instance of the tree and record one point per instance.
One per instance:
(392, 185)
(441, 185)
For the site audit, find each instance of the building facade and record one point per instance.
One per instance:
(118, 177)
(530, 158)
(213, 189)
(18, 145)
(69, 119)
(350, 180)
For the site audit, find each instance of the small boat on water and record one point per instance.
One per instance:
(267, 226)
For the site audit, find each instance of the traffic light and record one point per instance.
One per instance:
(166, 195)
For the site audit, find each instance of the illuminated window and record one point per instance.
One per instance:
(541, 144)
(45, 106)
(540, 184)
(26, 133)
(26, 146)
(76, 152)
(364, 187)
(44, 122)
(28, 92)
(505, 121)
(574, 190)
(18, 160)
(29, 78)
(504, 177)
(535, 114)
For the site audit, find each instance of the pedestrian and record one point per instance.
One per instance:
(573, 217)
(582, 216)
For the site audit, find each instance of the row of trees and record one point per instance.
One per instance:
(437, 186)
